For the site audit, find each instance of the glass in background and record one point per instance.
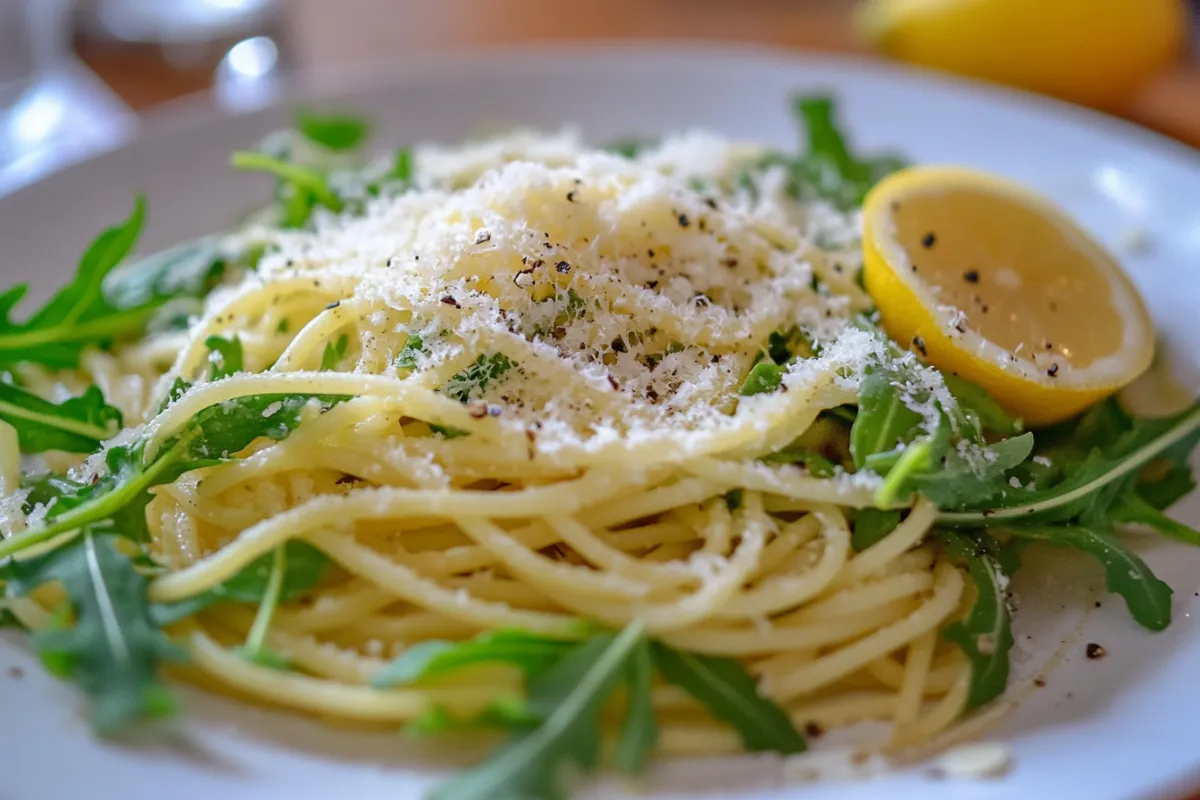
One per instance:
(53, 111)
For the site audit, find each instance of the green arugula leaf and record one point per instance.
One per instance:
(474, 380)
(225, 357)
(413, 348)
(960, 481)
(884, 422)
(112, 650)
(76, 425)
(871, 525)
(214, 435)
(980, 410)
(334, 353)
(255, 649)
(1093, 486)
(301, 187)
(628, 147)
(402, 166)
(731, 694)
(190, 269)
(567, 698)
(1166, 490)
(79, 314)
(505, 713)
(985, 635)
(1131, 508)
(764, 377)
(639, 731)
(333, 131)
(529, 652)
(1148, 598)
(304, 567)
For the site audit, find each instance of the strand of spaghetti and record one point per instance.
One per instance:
(614, 560)
(788, 591)
(414, 626)
(718, 532)
(844, 709)
(655, 501)
(661, 619)
(916, 676)
(948, 709)
(252, 296)
(948, 587)
(690, 739)
(414, 399)
(787, 481)
(304, 351)
(789, 552)
(908, 534)
(330, 610)
(759, 640)
(328, 697)
(545, 573)
(331, 511)
(853, 600)
(408, 585)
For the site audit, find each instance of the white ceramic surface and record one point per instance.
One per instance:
(1121, 727)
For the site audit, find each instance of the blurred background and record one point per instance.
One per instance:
(81, 76)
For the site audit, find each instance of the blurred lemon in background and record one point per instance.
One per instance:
(1095, 52)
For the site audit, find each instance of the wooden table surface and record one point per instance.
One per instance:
(319, 34)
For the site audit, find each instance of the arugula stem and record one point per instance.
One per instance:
(1136, 460)
(911, 458)
(301, 176)
(257, 638)
(107, 326)
(96, 432)
(98, 509)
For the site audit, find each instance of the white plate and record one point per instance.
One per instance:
(1121, 727)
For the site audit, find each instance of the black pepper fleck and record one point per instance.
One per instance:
(333, 305)
(450, 301)
(1039, 682)
(971, 276)
(813, 730)
(919, 343)
(1049, 346)
(483, 236)
(929, 240)
(571, 196)
(1053, 370)
(650, 252)
(563, 266)
(684, 221)
(618, 345)
(1095, 651)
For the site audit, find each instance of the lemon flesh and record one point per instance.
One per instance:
(995, 284)
(1095, 52)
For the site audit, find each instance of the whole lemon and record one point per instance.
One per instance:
(1095, 52)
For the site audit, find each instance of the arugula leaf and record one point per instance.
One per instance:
(255, 649)
(960, 481)
(506, 713)
(529, 652)
(189, 270)
(629, 147)
(1094, 486)
(871, 525)
(884, 422)
(567, 697)
(334, 352)
(112, 649)
(1148, 598)
(302, 186)
(402, 166)
(304, 566)
(225, 357)
(985, 635)
(639, 731)
(413, 347)
(332, 131)
(815, 463)
(79, 314)
(731, 694)
(764, 377)
(76, 425)
(1133, 509)
(211, 437)
(473, 381)
(980, 410)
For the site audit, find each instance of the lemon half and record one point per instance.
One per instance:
(995, 284)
